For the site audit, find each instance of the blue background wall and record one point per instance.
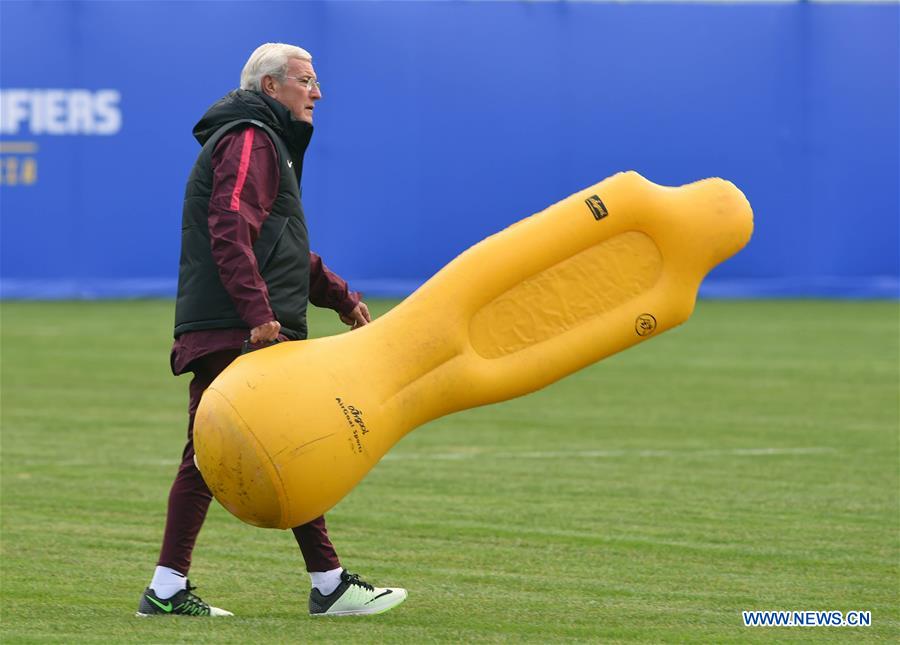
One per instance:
(444, 122)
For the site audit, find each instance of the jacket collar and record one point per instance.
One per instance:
(246, 104)
(297, 133)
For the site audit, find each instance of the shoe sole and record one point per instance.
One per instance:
(138, 614)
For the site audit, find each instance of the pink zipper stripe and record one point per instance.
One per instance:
(242, 169)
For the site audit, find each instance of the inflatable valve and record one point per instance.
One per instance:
(285, 432)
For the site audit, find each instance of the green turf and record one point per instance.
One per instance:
(634, 501)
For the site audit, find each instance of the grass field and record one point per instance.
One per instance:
(748, 460)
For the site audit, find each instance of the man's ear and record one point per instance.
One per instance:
(267, 85)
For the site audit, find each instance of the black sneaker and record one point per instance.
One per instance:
(353, 597)
(184, 603)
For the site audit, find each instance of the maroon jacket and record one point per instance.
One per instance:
(245, 172)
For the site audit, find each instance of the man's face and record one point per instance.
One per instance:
(291, 91)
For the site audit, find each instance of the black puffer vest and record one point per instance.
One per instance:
(282, 248)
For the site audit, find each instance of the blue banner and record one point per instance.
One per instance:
(444, 122)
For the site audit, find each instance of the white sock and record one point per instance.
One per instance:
(326, 581)
(167, 582)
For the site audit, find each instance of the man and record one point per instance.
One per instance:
(247, 272)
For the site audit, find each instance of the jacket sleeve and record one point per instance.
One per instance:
(327, 289)
(245, 184)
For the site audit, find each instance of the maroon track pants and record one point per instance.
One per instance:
(190, 497)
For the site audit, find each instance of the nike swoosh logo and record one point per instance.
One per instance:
(290, 164)
(166, 608)
(379, 596)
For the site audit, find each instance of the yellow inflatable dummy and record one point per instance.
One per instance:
(285, 432)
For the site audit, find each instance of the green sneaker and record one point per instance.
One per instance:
(184, 603)
(353, 597)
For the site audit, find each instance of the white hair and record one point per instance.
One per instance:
(270, 59)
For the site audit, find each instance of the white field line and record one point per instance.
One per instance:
(484, 454)
(611, 454)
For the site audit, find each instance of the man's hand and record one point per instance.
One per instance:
(265, 333)
(358, 317)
